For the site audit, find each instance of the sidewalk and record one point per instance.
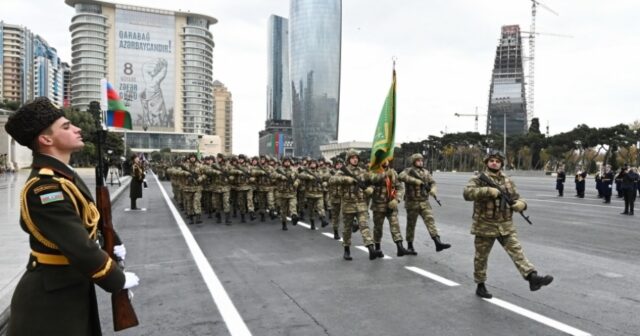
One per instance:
(15, 242)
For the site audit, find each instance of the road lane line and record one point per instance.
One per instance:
(537, 317)
(432, 276)
(367, 250)
(227, 309)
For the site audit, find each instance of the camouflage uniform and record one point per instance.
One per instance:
(491, 223)
(192, 190)
(287, 184)
(241, 180)
(417, 202)
(207, 188)
(335, 199)
(218, 173)
(313, 185)
(387, 192)
(263, 194)
(354, 204)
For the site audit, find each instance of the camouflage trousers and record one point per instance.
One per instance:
(335, 216)
(510, 244)
(263, 200)
(362, 217)
(244, 200)
(192, 202)
(177, 195)
(423, 211)
(316, 206)
(302, 203)
(206, 201)
(220, 201)
(394, 226)
(288, 207)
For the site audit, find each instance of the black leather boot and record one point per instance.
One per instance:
(198, 220)
(235, 213)
(313, 225)
(378, 250)
(482, 291)
(347, 253)
(242, 220)
(273, 214)
(440, 245)
(294, 220)
(252, 215)
(284, 226)
(373, 254)
(324, 222)
(336, 235)
(227, 218)
(218, 218)
(262, 216)
(191, 222)
(410, 250)
(133, 204)
(401, 250)
(536, 281)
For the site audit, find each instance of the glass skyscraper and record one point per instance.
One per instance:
(315, 30)
(507, 93)
(278, 87)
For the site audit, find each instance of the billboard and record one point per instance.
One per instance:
(145, 67)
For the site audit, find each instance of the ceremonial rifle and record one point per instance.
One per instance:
(505, 196)
(425, 187)
(124, 316)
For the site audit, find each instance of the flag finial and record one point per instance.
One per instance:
(394, 59)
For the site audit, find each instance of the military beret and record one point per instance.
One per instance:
(31, 119)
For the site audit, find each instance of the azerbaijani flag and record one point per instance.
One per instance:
(384, 137)
(117, 114)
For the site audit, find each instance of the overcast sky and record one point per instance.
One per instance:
(444, 49)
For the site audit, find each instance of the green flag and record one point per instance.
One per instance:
(383, 139)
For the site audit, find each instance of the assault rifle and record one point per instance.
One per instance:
(425, 187)
(123, 314)
(505, 196)
(283, 173)
(361, 184)
(318, 179)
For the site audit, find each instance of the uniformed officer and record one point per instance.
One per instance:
(490, 222)
(137, 177)
(419, 185)
(561, 177)
(56, 294)
(606, 181)
(580, 180)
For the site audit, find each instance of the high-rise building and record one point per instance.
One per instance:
(160, 62)
(16, 54)
(66, 84)
(507, 92)
(276, 139)
(48, 74)
(223, 112)
(315, 32)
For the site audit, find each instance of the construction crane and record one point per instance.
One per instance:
(476, 115)
(532, 53)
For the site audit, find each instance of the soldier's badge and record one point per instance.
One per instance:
(51, 197)
(40, 189)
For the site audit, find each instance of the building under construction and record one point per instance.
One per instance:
(507, 93)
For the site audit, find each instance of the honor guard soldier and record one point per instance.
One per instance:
(137, 178)
(353, 182)
(56, 294)
(263, 193)
(419, 185)
(629, 181)
(561, 177)
(242, 181)
(492, 222)
(335, 198)
(580, 181)
(192, 190)
(606, 181)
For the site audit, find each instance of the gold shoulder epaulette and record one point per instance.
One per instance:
(45, 171)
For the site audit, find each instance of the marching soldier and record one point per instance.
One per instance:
(353, 182)
(287, 185)
(629, 181)
(263, 194)
(561, 177)
(335, 198)
(325, 171)
(490, 222)
(387, 193)
(56, 294)
(207, 187)
(580, 182)
(314, 186)
(419, 185)
(242, 180)
(606, 181)
(192, 190)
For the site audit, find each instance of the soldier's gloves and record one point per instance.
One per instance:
(368, 191)
(120, 251)
(296, 183)
(393, 204)
(231, 177)
(252, 179)
(130, 280)
(390, 172)
(324, 184)
(492, 192)
(433, 191)
(519, 206)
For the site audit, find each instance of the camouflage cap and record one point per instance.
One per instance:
(496, 154)
(31, 119)
(242, 157)
(352, 152)
(415, 157)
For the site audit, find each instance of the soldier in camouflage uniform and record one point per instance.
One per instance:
(335, 198)
(325, 171)
(207, 187)
(387, 192)
(263, 193)
(419, 185)
(287, 184)
(298, 165)
(218, 175)
(490, 222)
(192, 190)
(353, 183)
(314, 185)
(241, 179)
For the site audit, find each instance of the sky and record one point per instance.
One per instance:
(444, 49)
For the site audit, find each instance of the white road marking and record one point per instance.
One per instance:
(432, 276)
(303, 224)
(537, 317)
(227, 309)
(367, 250)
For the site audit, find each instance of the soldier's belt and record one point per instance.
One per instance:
(50, 259)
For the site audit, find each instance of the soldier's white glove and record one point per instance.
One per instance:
(492, 192)
(120, 251)
(519, 206)
(130, 280)
(393, 204)
(433, 191)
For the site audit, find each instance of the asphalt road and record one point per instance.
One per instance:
(255, 279)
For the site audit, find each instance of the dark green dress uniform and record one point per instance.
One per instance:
(56, 294)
